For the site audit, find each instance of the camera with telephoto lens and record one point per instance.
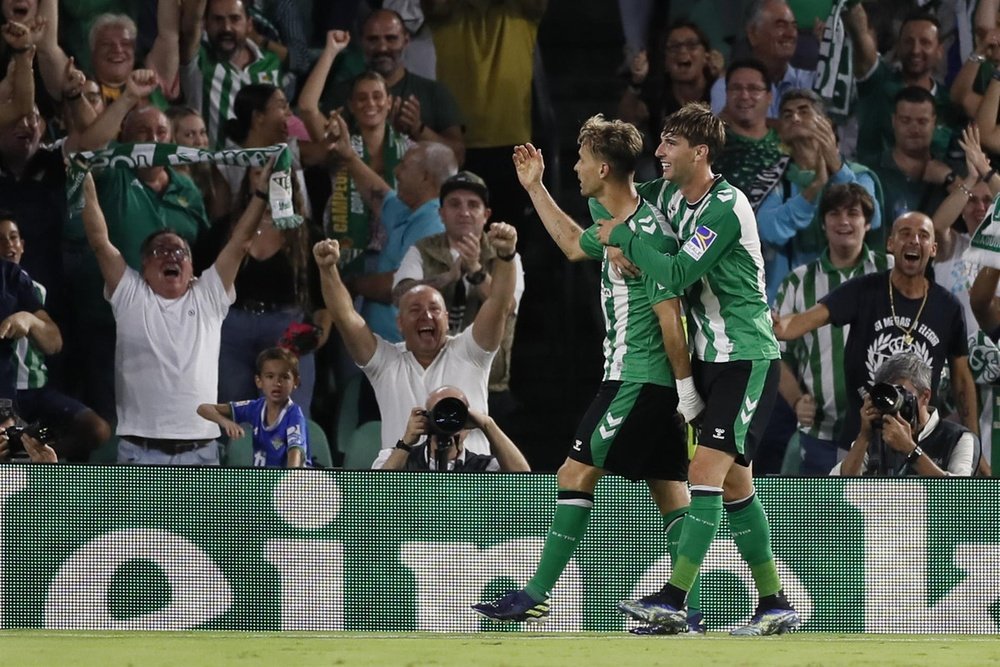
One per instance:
(891, 399)
(448, 416)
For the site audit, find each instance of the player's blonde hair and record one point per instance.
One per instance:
(695, 122)
(615, 142)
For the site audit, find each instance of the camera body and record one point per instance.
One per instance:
(447, 417)
(891, 399)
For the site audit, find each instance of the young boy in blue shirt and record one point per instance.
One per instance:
(280, 434)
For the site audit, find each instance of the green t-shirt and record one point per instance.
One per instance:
(742, 158)
(719, 267)
(633, 344)
(875, 106)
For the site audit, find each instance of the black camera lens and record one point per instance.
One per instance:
(448, 416)
(887, 398)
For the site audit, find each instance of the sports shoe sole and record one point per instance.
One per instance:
(672, 620)
(781, 624)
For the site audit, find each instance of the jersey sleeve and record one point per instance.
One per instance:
(717, 231)
(242, 411)
(590, 244)
(296, 430)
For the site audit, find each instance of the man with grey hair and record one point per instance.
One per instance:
(788, 217)
(901, 435)
(773, 35)
(406, 215)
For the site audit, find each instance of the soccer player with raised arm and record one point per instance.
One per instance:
(720, 270)
(629, 428)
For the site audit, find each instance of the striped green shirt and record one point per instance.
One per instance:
(32, 373)
(633, 343)
(211, 85)
(817, 358)
(719, 267)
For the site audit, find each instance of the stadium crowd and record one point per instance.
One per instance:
(142, 312)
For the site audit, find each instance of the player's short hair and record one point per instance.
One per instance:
(845, 195)
(695, 122)
(278, 354)
(613, 141)
(905, 366)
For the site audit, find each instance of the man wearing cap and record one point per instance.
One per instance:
(459, 263)
(408, 213)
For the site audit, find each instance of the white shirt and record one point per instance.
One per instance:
(401, 384)
(167, 356)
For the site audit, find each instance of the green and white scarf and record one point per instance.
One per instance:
(138, 156)
(984, 249)
(835, 69)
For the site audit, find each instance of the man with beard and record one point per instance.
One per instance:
(424, 109)
(919, 52)
(772, 34)
(895, 311)
(226, 62)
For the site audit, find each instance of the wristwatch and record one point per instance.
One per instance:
(915, 454)
(476, 277)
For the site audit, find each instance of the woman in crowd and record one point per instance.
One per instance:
(189, 129)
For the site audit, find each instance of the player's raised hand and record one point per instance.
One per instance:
(529, 165)
(337, 41)
(327, 253)
(73, 80)
(140, 83)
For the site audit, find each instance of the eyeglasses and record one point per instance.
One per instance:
(736, 89)
(689, 45)
(169, 252)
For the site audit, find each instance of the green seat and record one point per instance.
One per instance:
(347, 413)
(239, 451)
(319, 445)
(106, 452)
(363, 446)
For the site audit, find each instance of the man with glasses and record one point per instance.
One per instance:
(773, 35)
(169, 329)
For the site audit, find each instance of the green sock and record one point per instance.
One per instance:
(673, 523)
(752, 535)
(700, 526)
(568, 527)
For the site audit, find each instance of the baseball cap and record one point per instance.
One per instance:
(466, 180)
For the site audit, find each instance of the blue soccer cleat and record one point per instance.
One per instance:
(769, 622)
(514, 606)
(655, 609)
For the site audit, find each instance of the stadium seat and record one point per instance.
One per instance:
(106, 452)
(347, 413)
(239, 451)
(363, 446)
(319, 445)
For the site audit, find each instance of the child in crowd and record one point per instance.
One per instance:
(280, 435)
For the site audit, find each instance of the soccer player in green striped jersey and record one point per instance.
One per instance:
(812, 367)
(212, 73)
(721, 271)
(629, 429)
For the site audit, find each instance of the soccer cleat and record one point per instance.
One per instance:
(655, 609)
(769, 622)
(696, 623)
(695, 626)
(514, 606)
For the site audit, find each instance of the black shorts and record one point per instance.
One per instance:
(739, 397)
(632, 429)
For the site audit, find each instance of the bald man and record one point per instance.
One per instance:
(899, 310)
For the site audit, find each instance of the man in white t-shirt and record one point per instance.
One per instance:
(169, 327)
(402, 374)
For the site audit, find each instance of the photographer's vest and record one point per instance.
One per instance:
(463, 303)
(417, 460)
(938, 446)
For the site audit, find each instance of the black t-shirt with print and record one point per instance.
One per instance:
(938, 335)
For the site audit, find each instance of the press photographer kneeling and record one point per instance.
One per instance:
(20, 442)
(444, 423)
(901, 434)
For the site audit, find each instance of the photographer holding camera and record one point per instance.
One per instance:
(18, 442)
(446, 421)
(917, 441)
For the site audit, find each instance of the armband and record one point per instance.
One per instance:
(405, 447)
(507, 258)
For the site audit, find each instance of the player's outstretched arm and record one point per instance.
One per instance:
(796, 325)
(529, 165)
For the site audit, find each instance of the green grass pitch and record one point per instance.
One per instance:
(225, 649)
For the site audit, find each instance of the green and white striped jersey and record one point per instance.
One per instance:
(32, 373)
(719, 269)
(633, 342)
(211, 85)
(818, 357)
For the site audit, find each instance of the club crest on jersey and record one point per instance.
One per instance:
(698, 245)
